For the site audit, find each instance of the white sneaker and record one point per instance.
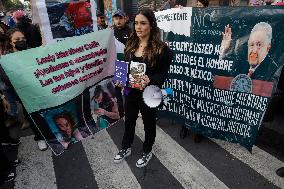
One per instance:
(42, 145)
(122, 154)
(142, 162)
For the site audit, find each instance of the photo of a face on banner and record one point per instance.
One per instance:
(69, 18)
(66, 125)
(254, 67)
(68, 129)
(103, 103)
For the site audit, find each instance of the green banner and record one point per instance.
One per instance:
(53, 74)
(67, 87)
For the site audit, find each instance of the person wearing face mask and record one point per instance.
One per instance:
(11, 112)
(31, 31)
(15, 42)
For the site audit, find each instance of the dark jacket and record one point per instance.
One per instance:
(158, 73)
(122, 34)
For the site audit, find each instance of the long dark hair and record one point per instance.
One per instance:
(67, 116)
(5, 28)
(154, 46)
(107, 101)
(8, 48)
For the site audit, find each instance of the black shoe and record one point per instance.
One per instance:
(183, 132)
(142, 162)
(122, 154)
(10, 142)
(197, 138)
(280, 172)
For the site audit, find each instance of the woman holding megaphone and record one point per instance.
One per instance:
(143, 46)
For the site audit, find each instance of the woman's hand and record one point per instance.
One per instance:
(145, 80)
(118, 84)
(100, 111)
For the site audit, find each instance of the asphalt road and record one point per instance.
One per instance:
(177, 162)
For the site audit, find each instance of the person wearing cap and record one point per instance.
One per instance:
(121, 29)
(121, 33)
(101, 21)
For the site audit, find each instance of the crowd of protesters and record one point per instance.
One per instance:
(20, 34)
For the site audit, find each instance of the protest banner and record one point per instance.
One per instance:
(223, 83)
(66, 87)
(64, 18)
(110, 8)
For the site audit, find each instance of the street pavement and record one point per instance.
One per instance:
(177, 163)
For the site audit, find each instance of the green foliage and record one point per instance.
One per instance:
(12, 4)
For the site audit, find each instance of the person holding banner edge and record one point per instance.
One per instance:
(145, 46)
(16, 41)
(197, 138)
(121, 33)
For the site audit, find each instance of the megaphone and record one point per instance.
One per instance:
(153, 95)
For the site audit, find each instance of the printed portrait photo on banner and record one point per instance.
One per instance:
(103, 103)
(68, 131)
(69, 18)
(253, 69)
(67, 125)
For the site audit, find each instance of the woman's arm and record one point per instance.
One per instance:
(77, 135)
(114, 114)
(162, 67)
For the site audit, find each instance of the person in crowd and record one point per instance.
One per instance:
(5, 137)
(278, 3)
(121, 33)
(3, 30)
(106, 108)
(168, 4)
(255, 2)
(69, 133)
(280, 86)
(11, 21)
(16, 41)
(145, 46)
(197, 138)
(79, 13)
(7, 170)
(101, 21)
(121, 29)
(31, 31)
(202, 3)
